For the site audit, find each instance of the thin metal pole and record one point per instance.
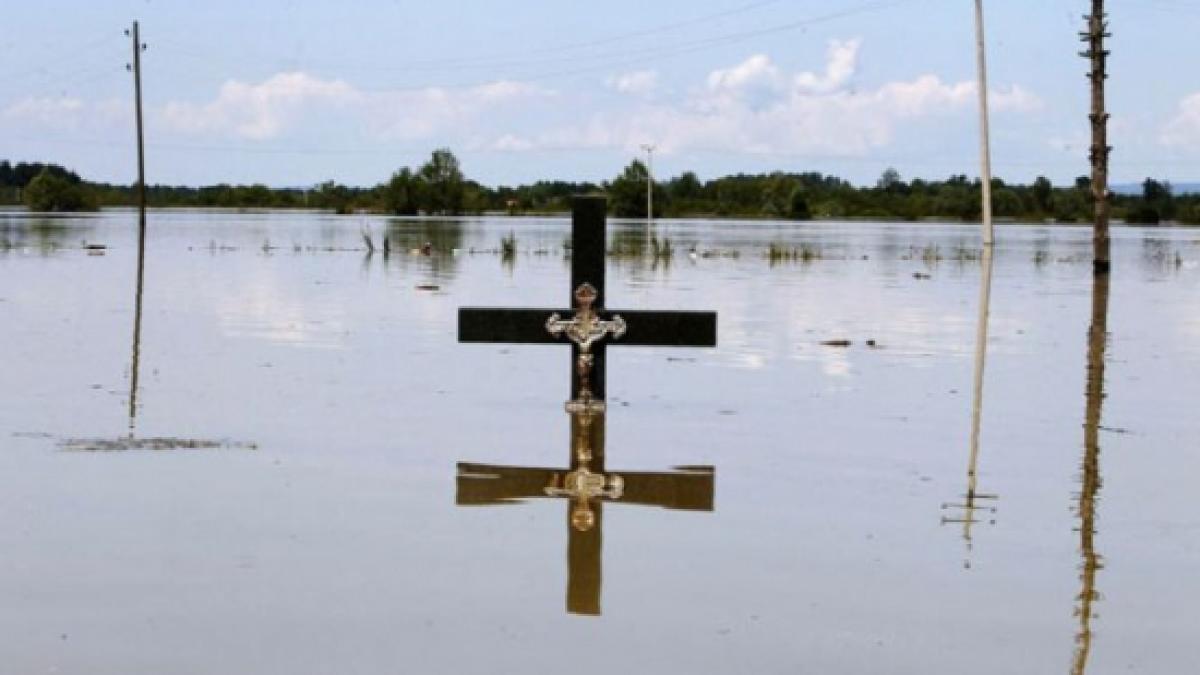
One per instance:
(649, 181)
(985, 151)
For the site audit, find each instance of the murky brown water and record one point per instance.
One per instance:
(289, 499)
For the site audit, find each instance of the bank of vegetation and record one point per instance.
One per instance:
(439, 187)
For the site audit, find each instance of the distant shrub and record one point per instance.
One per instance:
(51, 192)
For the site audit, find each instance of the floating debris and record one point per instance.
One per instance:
(922, 275)
(428, 287)
(836, 343)
(154, 444)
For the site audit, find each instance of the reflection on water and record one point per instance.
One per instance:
(135, 359)
(972, 496)
(823, 557)
(586, 486)
(436, 243)
(1090, 481)
(155, 444)
(43, 233)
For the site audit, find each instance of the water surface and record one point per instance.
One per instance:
(285, 496)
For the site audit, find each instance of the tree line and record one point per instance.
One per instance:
(439, 187)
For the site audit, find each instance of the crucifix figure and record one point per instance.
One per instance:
(585, 486)
(587, 325)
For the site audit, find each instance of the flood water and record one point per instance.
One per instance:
(305, 472)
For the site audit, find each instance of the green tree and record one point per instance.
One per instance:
(49, 191)
(404, 193)
(1042, 194)
(890, 181)
(627, 192)
(443, 179)
(329, 195)
(777, 195)
(798, 205)
(686, 187)
(1005, 203)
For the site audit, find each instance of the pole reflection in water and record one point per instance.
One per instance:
(137, 323)
(1090, 473)
(132, 441)
(586, 486)
(973, 496)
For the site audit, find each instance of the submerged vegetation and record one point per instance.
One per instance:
(439, 187)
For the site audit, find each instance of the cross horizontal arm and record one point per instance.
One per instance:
(523, 326)
(644, 328)
(485, 484)
(685, 489)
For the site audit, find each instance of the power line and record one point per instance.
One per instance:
(642, 56)
(587, 62)
(48, 67)
(511, 58)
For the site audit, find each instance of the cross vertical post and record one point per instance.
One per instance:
(589, 244)
(588, 325)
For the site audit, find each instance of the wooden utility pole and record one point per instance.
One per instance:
(136, 66)
(138, 47)
(1094, 39)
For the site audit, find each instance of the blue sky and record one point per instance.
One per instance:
(293, 93)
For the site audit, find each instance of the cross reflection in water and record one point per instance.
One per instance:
(587, 484)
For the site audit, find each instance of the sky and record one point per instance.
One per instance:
(295, 93)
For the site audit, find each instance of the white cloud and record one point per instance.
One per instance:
(756, 107)
(258, 111)
(274, 106)
(637, 82)
(1183, 130)
(511, 143)
(842, 61)
(58, 111)
(756, 72)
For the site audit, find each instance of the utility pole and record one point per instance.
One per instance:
(1093, 37)
(649, 181)
(985, 151)
(136, 66)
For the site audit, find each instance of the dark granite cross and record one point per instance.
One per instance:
(620, 327)
(587, 486)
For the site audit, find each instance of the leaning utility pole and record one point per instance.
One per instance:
(1094, 39)
(136, 66)
(985, 150)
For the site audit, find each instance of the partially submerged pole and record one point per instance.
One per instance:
(985, 151)
(136, 66)
(138, 47)
(1093, 37)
